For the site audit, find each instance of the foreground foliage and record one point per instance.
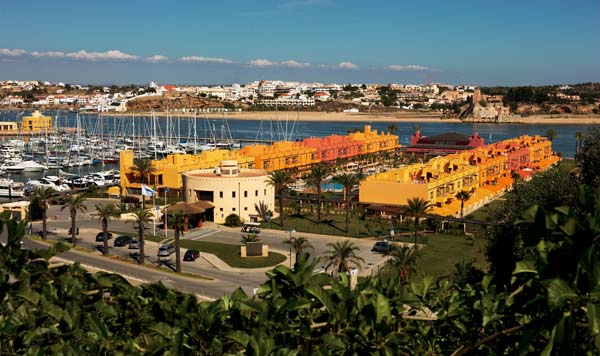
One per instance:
(550, 304)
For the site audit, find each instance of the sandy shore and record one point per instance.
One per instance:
(378, 117)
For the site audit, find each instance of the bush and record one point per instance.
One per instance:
(233, 220)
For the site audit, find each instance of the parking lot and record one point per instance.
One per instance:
(59, 224)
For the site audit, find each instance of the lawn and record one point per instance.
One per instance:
(443, 251)
(331, 224)
(483, 212)
(230, 254)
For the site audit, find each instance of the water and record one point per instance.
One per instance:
(269, 129)
(332, 187)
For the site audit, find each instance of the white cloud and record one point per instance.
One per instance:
(294, 64)
(261, 63)
(112, 54)
(267, 63)
(347, 65)
(199, 59)
(49, 54)
(157, 58)
(399, 67)
(12, 52)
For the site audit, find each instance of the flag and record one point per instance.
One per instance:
(147, 191)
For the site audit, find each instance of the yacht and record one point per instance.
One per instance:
(10, 188)
(12, 167)
(32, 166)
(45, 183)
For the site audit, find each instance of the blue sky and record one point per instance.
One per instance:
(193, 42)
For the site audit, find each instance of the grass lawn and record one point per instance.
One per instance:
(483, 212)
(331, 225)
(230, 254)
(443, 251)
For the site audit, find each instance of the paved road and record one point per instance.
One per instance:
(224, 281)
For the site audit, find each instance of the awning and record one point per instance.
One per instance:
(184, 208)
(203, 204)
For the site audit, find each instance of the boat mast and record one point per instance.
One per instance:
(153, 139)
(195, 134)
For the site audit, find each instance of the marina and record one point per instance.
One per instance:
(196, 134)
(74, 151)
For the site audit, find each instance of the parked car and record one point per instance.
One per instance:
(191, 255)
(122, 240)
(382, 246)
(166, 250)
(100, 236)
(134, 244)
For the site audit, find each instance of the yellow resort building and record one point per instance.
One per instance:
(9, 128)
(485, 172)
(278, 156)
(168, 171)
(36, 123)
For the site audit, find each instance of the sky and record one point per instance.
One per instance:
(524, 42)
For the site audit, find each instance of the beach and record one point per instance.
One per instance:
(391, 117)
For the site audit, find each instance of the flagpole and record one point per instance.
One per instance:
(154, 214)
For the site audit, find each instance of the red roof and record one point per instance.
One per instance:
(169, 87)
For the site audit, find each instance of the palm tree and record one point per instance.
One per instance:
(143, 168)
(262, 209)
(316, 177)
(578, 139)
(250, 238)
(141, 217)
(105, 213)
(299, 244)
(75, 203)
(43, 195)
(417, 209)
(551, 134)
(280, 181)
(177, 220)
(463, 196)
(404, 259)
(341, 255)
(348, 181)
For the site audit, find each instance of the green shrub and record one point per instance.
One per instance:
(233, 220)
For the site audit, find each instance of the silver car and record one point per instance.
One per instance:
(166, 250)
(134, 245)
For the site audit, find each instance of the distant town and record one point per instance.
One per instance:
(467, 102)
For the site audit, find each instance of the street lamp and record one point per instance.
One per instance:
(292, 239)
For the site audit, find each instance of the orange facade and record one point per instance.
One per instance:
(332, 147)
(280, 155)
